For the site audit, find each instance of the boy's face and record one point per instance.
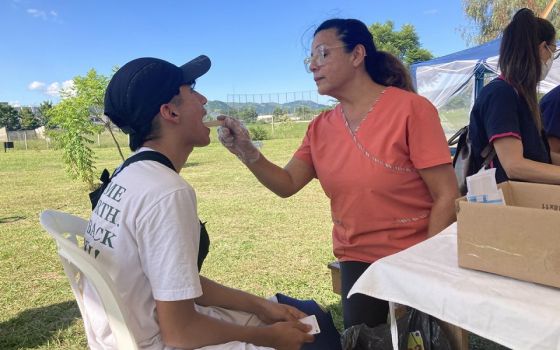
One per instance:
(191, 111)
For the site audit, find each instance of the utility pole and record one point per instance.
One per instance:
(548, 8)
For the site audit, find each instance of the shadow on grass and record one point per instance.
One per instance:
(35, 327)
(190, 164)
(7, 219)
(336, 313)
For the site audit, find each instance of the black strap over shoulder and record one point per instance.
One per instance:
(204, 244)
(147, 155)
(105, 178)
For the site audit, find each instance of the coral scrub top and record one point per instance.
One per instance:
(379, 203)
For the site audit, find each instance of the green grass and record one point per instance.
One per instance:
(259, 242)
(454, 119)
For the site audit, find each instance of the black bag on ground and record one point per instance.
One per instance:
(417, 331)
(463, 160)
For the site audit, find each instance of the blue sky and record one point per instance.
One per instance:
(255, 47)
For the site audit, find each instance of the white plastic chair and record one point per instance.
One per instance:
(65, 228)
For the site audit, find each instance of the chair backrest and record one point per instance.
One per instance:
(65, 229)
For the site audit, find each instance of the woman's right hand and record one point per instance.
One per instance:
(235, 137)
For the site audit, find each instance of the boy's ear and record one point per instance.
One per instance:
(167, 113)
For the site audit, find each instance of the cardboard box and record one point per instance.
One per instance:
(519, 240)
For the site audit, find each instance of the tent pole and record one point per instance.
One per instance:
(548, 8)
(478, 81)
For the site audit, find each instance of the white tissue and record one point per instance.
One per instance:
(482, 188)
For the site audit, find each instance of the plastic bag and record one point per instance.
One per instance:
(463, 159)
(417, 331)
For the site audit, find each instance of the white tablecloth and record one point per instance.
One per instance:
(517, 314)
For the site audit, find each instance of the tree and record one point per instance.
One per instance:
(304, 113)
(405, 44)
(74, 117)
(43, 113)
(248, 114)
(9, 117)
(490, 17)
(234, 112)
(278, 112)
(28, 120)
(258, 133)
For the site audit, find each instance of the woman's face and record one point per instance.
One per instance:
(547, 51)
(547, 54)
(329, 62)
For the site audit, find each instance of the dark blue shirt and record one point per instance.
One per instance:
(550, 112)
(500, 112)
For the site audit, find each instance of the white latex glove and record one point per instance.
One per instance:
(235, 137)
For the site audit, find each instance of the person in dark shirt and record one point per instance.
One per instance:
(506, 113)
(550, 111)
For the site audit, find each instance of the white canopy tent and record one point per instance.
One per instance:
(459, 76)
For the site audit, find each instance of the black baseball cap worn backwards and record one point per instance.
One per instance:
(139, 88)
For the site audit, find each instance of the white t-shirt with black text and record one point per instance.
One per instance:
(145, 232)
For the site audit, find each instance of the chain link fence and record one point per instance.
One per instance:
(39, 139)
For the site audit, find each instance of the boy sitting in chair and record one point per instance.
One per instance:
(145, 231)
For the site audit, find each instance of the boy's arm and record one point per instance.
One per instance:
(182, 326)
(215, 294)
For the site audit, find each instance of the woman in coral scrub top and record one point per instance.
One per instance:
(380, 156)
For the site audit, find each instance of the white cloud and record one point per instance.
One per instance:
(14, 103)
(68, 88)
(36, 85)
(37, 13)
(68, 84)
(44, 15)
(55, 88)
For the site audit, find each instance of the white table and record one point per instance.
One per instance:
(516, 314)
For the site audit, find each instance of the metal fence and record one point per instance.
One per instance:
(25, 138)
(38, 139)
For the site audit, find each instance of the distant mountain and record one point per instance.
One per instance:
(212, 106)
(219, 107)
(310, 104)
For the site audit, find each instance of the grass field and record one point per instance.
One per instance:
(260, 243)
